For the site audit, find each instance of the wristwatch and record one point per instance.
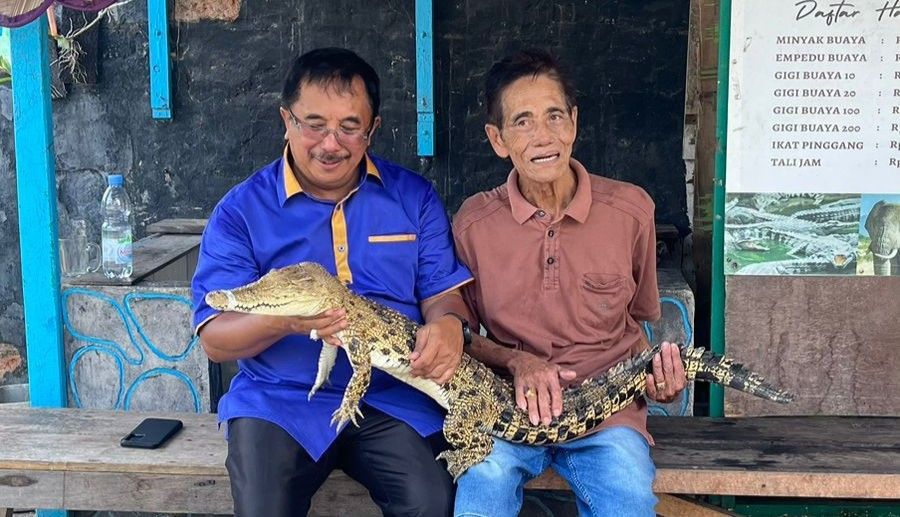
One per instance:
(466, 330)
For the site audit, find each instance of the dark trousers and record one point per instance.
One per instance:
(273, 476)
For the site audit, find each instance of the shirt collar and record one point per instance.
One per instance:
(578, 209)
(292, 186)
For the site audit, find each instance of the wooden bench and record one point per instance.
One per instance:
(71, 458)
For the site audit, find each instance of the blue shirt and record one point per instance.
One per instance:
(388, 240)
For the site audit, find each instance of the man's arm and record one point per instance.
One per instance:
(233, 335)
(439, 342)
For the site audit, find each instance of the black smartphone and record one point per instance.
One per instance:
(151, 433)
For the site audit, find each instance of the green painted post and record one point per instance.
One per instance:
(717, 324)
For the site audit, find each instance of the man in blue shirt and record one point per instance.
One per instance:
(382, 230)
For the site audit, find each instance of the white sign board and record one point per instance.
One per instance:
(814, 99)
(813, 135)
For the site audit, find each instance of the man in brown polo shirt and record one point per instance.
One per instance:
(565, 269)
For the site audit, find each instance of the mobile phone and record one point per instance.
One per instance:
(151, 433)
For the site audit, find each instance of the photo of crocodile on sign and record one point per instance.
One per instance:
(479, 403)
(792, 234)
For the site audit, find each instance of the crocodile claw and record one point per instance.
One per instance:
(342, 415)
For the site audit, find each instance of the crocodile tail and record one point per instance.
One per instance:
(704, 365)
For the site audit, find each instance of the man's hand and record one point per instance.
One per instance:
(668, 378)
(538, 390)
(438, 349)
(326, 325)
(234, 335)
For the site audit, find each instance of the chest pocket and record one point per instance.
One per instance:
(393, 259)
(605, 300)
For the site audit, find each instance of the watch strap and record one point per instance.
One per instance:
(466, 329)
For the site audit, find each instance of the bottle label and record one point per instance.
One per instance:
(123, 253)
(118, 251)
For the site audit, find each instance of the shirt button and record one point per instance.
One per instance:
(341, 249)
(541, 213)
(551, 260)
(551, 233)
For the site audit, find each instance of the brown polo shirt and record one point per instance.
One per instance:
(571, 290)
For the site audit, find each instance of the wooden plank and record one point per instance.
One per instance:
(192, 494)
(98, 491)
(762, 484)
(175, 271)
(88, 441)
(190, 226)
(833, 457)
(673, 506)
(85, 440)
(31, 489)
(767, 483)
(150, 255)
(191, 260)
(147, 492)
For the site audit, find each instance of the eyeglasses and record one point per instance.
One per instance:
(556, 122)
(347, 137)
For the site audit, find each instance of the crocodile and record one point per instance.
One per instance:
(479, 403)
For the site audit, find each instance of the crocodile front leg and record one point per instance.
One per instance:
(327, 358)
(358, 353)
(464, 429)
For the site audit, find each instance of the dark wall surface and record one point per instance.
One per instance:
(628, 62)
(628, 59)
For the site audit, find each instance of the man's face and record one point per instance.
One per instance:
(537, 129)
(330, 137)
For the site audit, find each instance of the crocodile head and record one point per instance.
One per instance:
(304, 289)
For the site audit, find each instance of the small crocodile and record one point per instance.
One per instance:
(479, 403)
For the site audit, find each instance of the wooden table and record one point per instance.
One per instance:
(69, 458)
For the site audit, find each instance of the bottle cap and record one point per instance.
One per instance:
(115, 180)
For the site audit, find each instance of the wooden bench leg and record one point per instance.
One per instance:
(674, 506)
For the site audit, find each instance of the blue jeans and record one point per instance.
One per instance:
(610, 472)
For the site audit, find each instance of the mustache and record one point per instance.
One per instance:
(330, 157)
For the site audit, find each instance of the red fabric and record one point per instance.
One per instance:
(81, 5)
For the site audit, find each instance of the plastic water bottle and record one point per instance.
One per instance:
(116, 229)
